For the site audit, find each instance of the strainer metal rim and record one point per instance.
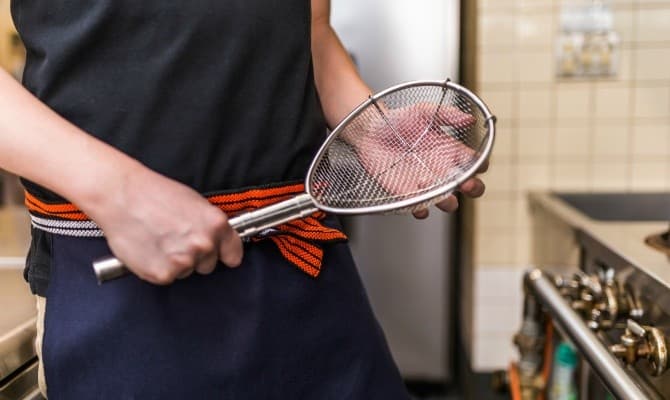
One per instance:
(490, 120)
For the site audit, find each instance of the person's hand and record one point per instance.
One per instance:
(418, 152)
(473, 187)
(163, 230)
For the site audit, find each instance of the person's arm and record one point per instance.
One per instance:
(159, 228)
(341, 88)
(339, 85)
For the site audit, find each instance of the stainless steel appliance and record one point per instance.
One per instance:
(613, 304)
(405, 263)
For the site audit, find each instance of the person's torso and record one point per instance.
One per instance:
(215, 94)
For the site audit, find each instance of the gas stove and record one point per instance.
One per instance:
(602, 284)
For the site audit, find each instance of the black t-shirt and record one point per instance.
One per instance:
(218, 95)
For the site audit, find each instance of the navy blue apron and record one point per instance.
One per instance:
(262, 331)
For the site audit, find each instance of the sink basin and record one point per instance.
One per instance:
(620, 206)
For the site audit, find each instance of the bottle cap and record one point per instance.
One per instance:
(566, 354)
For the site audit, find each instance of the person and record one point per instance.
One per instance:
(152, 121)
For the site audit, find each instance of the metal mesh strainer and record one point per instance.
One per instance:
(403, 149)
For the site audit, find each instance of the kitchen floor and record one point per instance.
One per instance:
(478, 386)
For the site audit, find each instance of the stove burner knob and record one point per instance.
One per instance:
(641, 341)
(658, 351)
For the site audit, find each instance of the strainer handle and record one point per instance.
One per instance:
(254, 222)
(246, 225)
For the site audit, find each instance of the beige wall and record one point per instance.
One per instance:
(12, 57)
(5, 21)
(11, 53)
(609, 134)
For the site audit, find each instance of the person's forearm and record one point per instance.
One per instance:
(38, 144)
(160, 228)
(340, 87)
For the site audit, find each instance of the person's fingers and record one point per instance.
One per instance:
(181, 267)
(185, 274)
(207, 264)
(450, 204)
(230, 247)
(473, 187)
(484, 167)
(206, 252)
(447, 115)
(421, 213)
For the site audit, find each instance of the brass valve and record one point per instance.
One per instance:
(643, 342)
(600, 300)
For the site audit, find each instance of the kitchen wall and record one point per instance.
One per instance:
(5, 24)
(12, 58)
(11, 51)
(597, 134)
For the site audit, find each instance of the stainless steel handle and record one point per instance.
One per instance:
(254, 222)
(600, 359)
(247, 225)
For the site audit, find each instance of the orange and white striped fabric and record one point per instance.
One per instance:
(299, 241)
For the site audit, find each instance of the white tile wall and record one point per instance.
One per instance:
(498, 298)
(571, 175)
(535, 103)
(610, 176)
(501, 174)
(535, 29)
(623, 23)
(612, 100)
(494, 212)
(572, 143)
(498, 30)
(503, 101)
(534, 142)
(493, 246)
(651, 140)
(608, 134)
(533, 175)
(536, 66)
(649, 175)
(648, 64)
(505, 142)
(651, 101)
(610, 142)
(655, 24)
(573, 101)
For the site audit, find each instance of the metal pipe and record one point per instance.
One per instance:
(601, 361)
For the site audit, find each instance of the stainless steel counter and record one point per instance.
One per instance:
(17, 319)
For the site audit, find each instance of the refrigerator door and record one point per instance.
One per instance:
(405, 263)
(400, 40)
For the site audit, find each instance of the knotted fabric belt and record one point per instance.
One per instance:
(299, 241)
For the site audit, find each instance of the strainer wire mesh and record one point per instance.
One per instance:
(402, 145)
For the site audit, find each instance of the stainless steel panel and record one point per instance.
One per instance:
(23, 385)
(17, 320)
(405, 263)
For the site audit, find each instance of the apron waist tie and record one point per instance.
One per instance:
(300, 241)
